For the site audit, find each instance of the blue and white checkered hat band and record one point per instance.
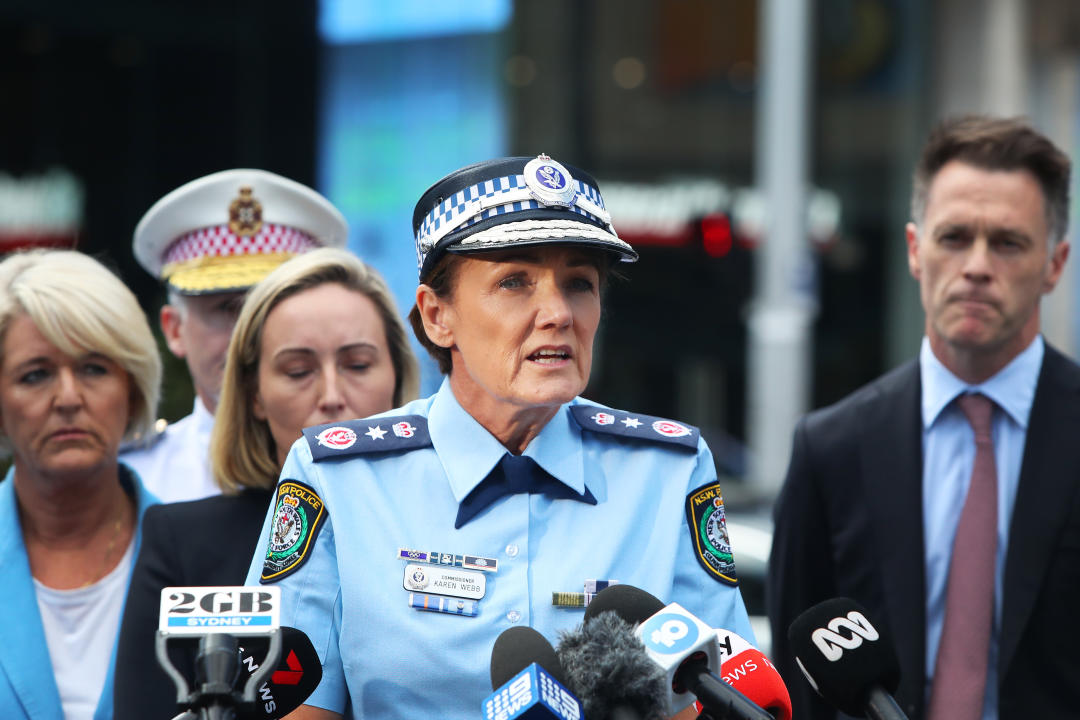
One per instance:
(499, 196)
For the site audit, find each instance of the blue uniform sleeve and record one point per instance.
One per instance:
(305, 567)
(714, 601)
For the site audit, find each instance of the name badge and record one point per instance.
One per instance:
(444, 581)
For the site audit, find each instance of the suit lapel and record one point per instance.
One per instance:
(1051, 456)
(891, 468)
(24, 655)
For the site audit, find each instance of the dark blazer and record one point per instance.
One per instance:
(202, 542)
(849, 523)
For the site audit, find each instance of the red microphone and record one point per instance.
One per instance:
(746, 669)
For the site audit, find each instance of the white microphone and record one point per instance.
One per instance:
(683, 647)
(672, 637)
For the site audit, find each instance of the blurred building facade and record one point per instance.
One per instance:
(649, 91)
(656, 98)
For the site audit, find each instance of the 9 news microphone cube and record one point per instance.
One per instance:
(532, 694)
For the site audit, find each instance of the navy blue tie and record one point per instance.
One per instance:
(515, 474)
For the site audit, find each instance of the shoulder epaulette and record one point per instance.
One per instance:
(148, 439)
(356, 437)
(634, 425)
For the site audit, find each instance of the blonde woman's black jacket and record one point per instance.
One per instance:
(201, 542)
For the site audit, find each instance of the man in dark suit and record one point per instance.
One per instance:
(876, 506)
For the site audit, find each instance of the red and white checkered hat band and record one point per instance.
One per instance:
(220, 241)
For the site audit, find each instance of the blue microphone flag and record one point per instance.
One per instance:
(532, 694)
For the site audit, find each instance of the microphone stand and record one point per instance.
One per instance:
(218, 663)
(881, 706)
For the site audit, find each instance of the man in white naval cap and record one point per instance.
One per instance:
(209, 241)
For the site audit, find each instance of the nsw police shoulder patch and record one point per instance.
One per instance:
(356, 437)
(298, 516)
(709, 533)
(594, 418)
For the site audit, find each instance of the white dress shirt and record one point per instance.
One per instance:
(177, 465)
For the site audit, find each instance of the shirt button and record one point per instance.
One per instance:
(512, 550)
(513, 616)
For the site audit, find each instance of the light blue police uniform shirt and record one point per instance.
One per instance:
(948, 456)
(386, 660)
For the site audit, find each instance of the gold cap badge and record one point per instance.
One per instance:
(245, 214)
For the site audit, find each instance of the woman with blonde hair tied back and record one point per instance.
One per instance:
(318, 340)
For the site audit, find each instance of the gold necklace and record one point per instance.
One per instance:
(103, 570)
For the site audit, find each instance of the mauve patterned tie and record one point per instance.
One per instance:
(960, 676)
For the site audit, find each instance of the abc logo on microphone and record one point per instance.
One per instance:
(843, 633)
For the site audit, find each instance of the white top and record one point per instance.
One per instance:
(81, 626)
(177, 466)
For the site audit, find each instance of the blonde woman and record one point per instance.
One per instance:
(79, 373)
(318, 340)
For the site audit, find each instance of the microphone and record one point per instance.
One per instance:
(608, 670)
(217, 668)
(295, 676)
(849, 662)
(221, 666)
(682, 646)
(528, 680)
(231, 681)
(746, 669)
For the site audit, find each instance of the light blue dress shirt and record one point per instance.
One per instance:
(948, 456)
(385, 660)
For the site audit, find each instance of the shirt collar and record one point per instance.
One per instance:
(468, 452)
(203, 417)
(1012, 388)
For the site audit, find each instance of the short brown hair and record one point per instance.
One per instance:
(997, 144)
(441, 281)
(242, 452)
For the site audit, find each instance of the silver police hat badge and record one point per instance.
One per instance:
(510, 202)
(551, 184)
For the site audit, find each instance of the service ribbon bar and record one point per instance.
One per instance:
(439, 603)
(567, 599)
(470, 562)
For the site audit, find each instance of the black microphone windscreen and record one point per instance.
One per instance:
(843, 654)
(607, 668)
(296, 675)
(632, 604)
(518, 647)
